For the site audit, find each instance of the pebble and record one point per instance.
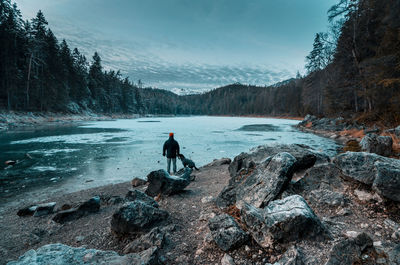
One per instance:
(227, 260)
(352, 234)
(344, 211)
(364, 225)
(246, 248)
(207, 199)
(79, 238)
(377, 243)
(378, 234)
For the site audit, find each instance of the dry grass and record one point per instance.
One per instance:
(352, 146)
(309, 124)
(354, 133)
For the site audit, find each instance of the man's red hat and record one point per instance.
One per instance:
(171, 134)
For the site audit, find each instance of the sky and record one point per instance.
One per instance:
(190, 45)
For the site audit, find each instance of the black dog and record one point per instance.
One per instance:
(187, 162)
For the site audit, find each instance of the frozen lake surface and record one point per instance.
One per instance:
(71, 158)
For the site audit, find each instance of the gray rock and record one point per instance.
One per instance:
(265, 184)
(90, 206)
(327, 197)
(326, 176)
(219, 162)
(282, 221)
(83, 209)
(381, 145)
(29, 210)
(359, 166)
(227, 197)
(44, 209)
(226, 232)
(245, 164)
(161, 182)
(136, 182)
(133, 195)
(392, 224)
(155, 238)
(394, 255)
(227, 260)
(397, 131)
(374, 129)
(292, 256)
(59, 254)
(305, 157)
(387, 181)
(348, 251)
(136, 216)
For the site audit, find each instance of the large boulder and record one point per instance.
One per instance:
(245, 164)
(325, 176)
(282, 221)
(160, 182)
(90, 206)
(382, 173)
(349, 250)
(59, 254)
(227, 197)
(387, 180)
(226, 232)
(305, 157)
(267, 181)
(381, 145)
(359, 166)
(134, 195)
(136, 216)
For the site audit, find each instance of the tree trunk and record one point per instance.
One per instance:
(355, 101)
(28, 80)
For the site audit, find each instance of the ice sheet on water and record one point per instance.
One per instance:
(50, 152)
(114, 151)
(92, 138)
(44, 168)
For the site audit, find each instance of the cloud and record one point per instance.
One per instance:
(138, 61)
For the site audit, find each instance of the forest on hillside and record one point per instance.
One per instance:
(39, 73)
(353, 70)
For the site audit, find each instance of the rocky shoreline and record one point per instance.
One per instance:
(353, 136)
(282, 204)
(15, 120)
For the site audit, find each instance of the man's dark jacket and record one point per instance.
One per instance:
(172, 148)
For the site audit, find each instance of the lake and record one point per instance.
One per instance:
(70, 158)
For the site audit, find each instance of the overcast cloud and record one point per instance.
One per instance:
(194, 45)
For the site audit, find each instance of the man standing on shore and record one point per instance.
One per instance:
(171, 148)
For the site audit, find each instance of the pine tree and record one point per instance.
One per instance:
(315, 60)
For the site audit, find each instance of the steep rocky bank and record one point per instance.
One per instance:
(282, 204)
